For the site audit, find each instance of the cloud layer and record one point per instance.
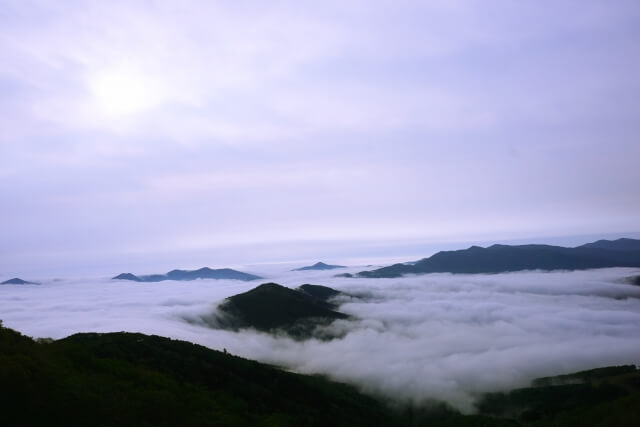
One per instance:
(439, 336)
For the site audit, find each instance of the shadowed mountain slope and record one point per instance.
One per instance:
(129, 379)
(271, 307)
(623, 244)
(504, 258)
(599, 397)
(321, 292)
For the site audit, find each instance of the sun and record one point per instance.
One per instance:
(124, 91)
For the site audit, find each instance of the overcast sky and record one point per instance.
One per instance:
(218, 132)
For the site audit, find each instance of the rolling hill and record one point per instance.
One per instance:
(130, 379)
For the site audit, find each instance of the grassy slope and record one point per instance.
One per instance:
(134, 379)
(122, 379)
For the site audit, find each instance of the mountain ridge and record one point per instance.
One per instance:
(507, 258)
(186, 275)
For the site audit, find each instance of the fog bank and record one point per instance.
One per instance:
(437, 336)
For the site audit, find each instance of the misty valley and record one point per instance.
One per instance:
(319, 213)
(503, 335)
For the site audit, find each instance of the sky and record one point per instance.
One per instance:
(137, 135)
(437, 336)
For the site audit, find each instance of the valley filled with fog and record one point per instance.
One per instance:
(436, 336)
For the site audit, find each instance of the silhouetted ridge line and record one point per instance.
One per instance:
(319, 266)
(505, 258)
(202, 273)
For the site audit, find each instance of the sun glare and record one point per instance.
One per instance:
(123, 91)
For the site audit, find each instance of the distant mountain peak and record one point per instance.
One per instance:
(17, 281)
(202, 273)
(499, 258)
(127, 276)
(319, 266)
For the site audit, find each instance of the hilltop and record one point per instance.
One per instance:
(274, 308)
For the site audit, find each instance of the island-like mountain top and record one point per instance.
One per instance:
(319, 266)
(505, 258)
(17, 281)
(202, 273)
(274, 308)
(127, 276)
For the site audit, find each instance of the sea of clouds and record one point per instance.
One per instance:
(436, 336)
